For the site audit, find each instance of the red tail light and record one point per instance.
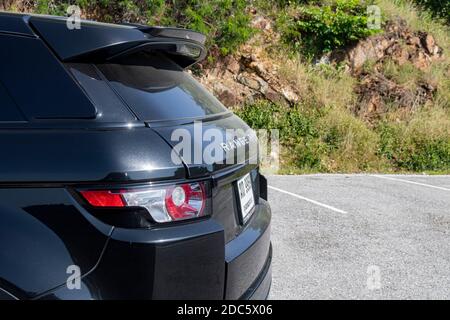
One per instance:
(183, 202)
(165, 204)
(103, 199)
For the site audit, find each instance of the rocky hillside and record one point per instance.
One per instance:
(345, 97)
(252, 73)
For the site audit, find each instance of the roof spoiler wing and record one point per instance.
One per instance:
(99, 42)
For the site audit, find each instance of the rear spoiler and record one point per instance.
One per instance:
(99, 42)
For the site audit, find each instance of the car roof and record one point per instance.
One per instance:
(36, 79)
(97, 40)
(20, 17)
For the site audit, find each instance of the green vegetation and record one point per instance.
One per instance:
(407, 74)
(325, 140)
(418, 20)
(421, 144)
(439, 8)
(333, 140)
(316, 29)
(320, 133)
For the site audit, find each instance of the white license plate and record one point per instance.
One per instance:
(247, 200)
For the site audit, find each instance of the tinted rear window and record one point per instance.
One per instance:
(155, 88)
(109, 106)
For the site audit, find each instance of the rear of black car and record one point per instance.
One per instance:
(93, 179)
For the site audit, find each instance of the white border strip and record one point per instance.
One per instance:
(411, 182)
(308, 200)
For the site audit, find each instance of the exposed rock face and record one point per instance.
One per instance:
(249, 74)
(398, 43)
(376, 92)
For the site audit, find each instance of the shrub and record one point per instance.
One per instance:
(50, 7)
(293, 123)
(333, 140)
(317, 139)
(319, 29)
(299, 135)
(226, 22)
(285, 3)
(440, 8)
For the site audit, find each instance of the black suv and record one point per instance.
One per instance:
(97, 199)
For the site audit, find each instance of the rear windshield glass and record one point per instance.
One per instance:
(155, 88)
(109, 106)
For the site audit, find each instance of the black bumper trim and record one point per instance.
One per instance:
(260, 288)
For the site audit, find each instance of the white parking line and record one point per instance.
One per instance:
(308, 200)
(411, 182)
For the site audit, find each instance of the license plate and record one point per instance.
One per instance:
(247, 200)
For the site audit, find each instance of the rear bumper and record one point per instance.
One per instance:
(189, 261)
(260, 288)
(248, 255)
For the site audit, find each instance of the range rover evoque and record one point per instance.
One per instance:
(96, 202)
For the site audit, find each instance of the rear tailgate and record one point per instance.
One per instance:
(213, 146)
(247, 249)
(235, 157)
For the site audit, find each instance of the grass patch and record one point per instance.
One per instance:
(333, 140)
(406, 74)
(317, 139)
(320, 85)
(420, 144)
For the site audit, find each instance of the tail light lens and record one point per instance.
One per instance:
(164, 204)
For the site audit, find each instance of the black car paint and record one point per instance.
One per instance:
(96, 41)
(49, 155)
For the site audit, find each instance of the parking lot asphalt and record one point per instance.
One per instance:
(360, 236)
